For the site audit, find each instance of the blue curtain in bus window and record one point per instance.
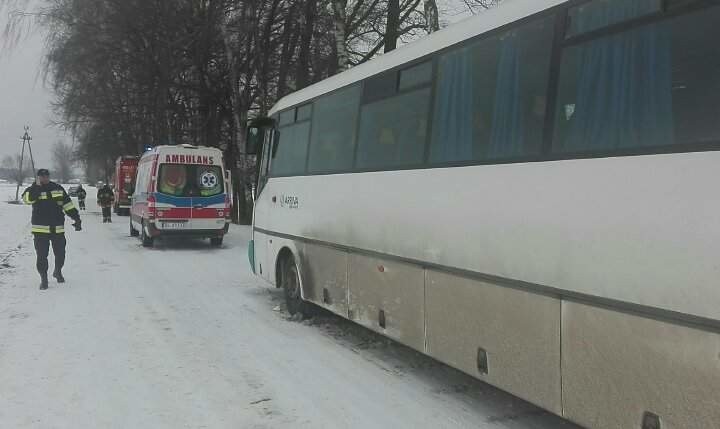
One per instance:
(453, 117)
(602, 13)
(507, 124)
(623, 92)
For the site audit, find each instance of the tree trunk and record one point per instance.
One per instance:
(339, 27)
(392, 26)
(236, 148)
(286, 54)
(432, 22)
(307, 30)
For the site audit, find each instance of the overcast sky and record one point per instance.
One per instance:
(24, 99)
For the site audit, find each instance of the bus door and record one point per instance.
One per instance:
(262, 209)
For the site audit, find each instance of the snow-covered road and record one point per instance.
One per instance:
(183, 336)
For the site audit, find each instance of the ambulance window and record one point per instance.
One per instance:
(209, 180)
(187, 180)
(173, 179)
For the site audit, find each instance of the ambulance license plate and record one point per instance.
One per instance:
(173, 225)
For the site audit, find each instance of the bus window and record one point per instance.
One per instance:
(416, 76)
(264, 159)
(290, 150)
(491, 96)
(393, 131)
(654, 85)
(287, 117)
(602, 13)
(333, 131)
(304, 113)
(380, 86)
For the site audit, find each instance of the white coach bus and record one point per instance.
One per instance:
(528, 196)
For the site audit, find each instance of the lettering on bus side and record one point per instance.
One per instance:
(190, 159)
(289, 201)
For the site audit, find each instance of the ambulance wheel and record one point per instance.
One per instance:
(133, 232)
(216, 241)
(290, 282)
(147, 241)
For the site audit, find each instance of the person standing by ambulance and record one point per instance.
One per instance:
(50, 205)
(105, 199)
(81, 195)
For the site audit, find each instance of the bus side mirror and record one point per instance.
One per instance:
(255, 137)
(256, 134)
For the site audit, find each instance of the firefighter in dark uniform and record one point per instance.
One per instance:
(81, 195)
(105, 199)
(50, 205)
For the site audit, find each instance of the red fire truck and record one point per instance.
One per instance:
(124, 182)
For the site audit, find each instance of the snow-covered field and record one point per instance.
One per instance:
(183, 336)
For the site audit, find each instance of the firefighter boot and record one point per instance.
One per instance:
(43, 281)
(58, 276)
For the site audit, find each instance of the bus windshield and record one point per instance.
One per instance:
(186, 180)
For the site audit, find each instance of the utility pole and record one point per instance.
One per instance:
(26, 139)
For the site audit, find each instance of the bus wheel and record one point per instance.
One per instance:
(147, 241)
(216, 241)
(291, 286)
(133, 232)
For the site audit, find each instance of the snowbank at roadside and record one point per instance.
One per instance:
(15, 222)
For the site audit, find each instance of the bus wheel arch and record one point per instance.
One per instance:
(289, 278)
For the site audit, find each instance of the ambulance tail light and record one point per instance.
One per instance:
(152, 211)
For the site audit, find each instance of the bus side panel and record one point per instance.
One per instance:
(260, 243)
(617, 366)
(325, 273)
(518, 333)
(392, 291)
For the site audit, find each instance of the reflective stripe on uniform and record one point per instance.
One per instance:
(26, 198)
(56, 194)
(69, 206)
(44, 229)
(44, 196)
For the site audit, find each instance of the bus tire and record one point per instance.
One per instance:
(216, 241)
(133, 232)
(290, 282)
(147, 241)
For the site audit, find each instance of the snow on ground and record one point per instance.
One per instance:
(183, 336)
(14, 227)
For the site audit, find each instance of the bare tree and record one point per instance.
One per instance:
(130, 73)
(63, 161)
(14, 169)
(476, 6)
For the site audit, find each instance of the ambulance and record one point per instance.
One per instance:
(181, 190)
